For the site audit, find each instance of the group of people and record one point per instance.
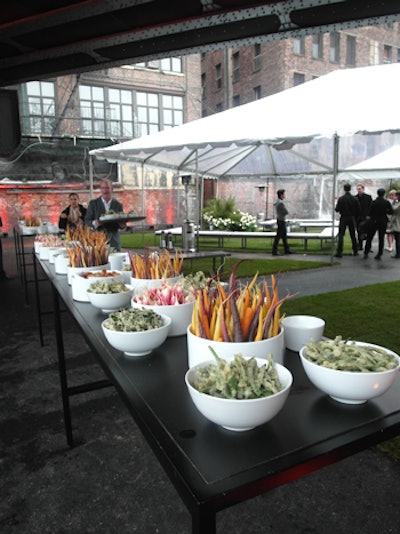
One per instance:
(365, 217)
(361, 215)
(76, 214)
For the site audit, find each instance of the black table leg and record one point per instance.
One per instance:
(203, 521)
(62, 368)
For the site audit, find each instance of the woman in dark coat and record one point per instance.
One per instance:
(73, 215)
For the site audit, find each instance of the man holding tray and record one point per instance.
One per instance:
(100, 206)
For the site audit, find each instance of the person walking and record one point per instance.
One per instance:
(365, 201)
(378, 217)
(281, 232)
(98, 207)
(349, 209)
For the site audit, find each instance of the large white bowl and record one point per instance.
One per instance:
(77, 270)
(235, 414)
(138, 343)
(80, 282)
(301, 329)
(181, 315)
(108, 302)
(199, 352)
(61, 262)
(350, 387)
(54, 251)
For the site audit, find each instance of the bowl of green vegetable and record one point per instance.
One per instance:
(239, 393)
(109, 295)
(351, 372)
(136, 332)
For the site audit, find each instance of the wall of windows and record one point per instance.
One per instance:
(39, 113)
(110, 112)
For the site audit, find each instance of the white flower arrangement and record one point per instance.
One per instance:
(241, 221)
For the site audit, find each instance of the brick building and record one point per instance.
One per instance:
(234, 76)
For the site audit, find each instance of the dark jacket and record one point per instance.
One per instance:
(379, 211)
(365, 201)
(95, 210)
(348, 205)
(63, 223)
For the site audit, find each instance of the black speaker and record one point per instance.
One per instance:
(10, 128)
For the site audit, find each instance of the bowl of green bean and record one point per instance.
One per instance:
(351, 372)
(239, 393)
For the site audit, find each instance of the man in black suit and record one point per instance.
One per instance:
(365, 201)
(101, 205)
(378, 216)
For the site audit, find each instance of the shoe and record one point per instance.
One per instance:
(397, 257)
(355, 253)
(276, 254)
(338, 255)
(377, 257)
(389, 249)
(289, 252)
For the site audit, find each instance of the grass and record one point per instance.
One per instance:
(365, 313)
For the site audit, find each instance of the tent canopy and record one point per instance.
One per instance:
(252, 138)
(383, 166)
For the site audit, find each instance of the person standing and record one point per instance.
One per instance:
(101, 205)
(349, 209)
(365, 201)
(389, 231)
(281, 233)
(73, 215)
(396, 224)
(378, 216)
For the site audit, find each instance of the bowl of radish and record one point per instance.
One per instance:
(172, 300)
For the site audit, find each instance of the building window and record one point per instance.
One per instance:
(351, 50)
(236, 101)
(257, 92)
(236, 67)
(148, 116)
(41, 107)
(120, 113)
(169, 64)
(334, 47)
(299, 48)
(93, 110)
(298, 78)
(317, 50)
(218, 76)
(257, 57)
(387, 54)
(172, 111)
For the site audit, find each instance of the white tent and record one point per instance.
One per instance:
(252, 138)
(382, 166)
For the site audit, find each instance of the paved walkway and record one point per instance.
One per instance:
(111, 483)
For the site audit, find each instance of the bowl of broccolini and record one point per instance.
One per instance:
(239, 393)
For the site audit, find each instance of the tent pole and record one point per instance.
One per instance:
(335, 172)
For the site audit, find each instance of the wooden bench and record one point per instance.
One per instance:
(221, 235)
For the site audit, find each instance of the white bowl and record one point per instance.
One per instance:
(54, 251)
(301, 329)
(77, 270)
(235, 414)
(140, 284)
(181, 315)
(108, 302)
(138, 343)
(350, 387)
(117, 259)
(199, 352)
(61, 262)
(81, 281)
(44, 252)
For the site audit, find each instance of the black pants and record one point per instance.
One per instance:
(347, 221)
(397, 241)
(379, 227)
(281, 233)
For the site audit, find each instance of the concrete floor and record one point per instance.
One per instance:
(112, 483)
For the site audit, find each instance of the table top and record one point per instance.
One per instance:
(209, 464)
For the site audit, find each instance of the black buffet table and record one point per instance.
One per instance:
(213, 468)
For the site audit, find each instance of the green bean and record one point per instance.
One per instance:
(347, 355)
